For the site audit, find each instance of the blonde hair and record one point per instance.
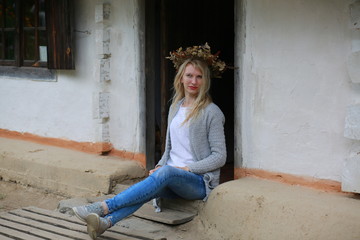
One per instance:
(203, 98)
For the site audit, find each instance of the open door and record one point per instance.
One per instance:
(171, 24)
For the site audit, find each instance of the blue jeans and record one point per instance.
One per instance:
(166, 182)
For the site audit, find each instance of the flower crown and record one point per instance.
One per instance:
(203, 52)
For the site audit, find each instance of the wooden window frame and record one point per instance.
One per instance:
(3, 61)
(59, 27)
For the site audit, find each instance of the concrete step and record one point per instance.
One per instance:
(64, 171)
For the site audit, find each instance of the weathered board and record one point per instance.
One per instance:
(167, 216)
(33, 223)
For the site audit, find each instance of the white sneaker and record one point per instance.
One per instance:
(81, 212)
(96, 225)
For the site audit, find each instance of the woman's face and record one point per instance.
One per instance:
(192, 80)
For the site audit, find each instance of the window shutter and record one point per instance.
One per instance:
(59, 24)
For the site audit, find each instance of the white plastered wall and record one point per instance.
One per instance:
(65, 108)
(295, 87)
(127, 101)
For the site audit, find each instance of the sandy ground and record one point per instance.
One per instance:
(13, 196)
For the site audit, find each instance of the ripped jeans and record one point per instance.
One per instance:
(166, 182)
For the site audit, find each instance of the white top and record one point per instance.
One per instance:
(180, 153)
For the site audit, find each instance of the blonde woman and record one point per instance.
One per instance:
(190, 166)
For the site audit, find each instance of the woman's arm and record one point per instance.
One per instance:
(215, 142)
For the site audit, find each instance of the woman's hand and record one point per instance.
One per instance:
(153, 170)
(186, 168)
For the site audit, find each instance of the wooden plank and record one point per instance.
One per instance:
(53, 214)
(115, 229)
(31, 230)
(74, 231)
(40, 225)
(3, 237)
(78, 233)
(167, 216)
(65, 223)
(19, 235)
(36, 222)
(108, 233)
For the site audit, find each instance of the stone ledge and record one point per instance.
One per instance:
(252, 208)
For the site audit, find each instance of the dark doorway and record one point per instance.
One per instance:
(171, 24)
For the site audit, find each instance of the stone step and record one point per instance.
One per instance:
(64, 171)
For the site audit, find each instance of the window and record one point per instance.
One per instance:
(36, 33)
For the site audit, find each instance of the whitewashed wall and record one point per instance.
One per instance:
(295, 86)
(127, 105)
(65, 108)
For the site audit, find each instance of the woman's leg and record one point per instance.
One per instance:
(185, 184)
(166, 182)
(122, 213)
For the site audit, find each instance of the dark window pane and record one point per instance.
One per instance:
(10, 20)
(42, 22)
(43, 46)
(43, 38)
(10, 45)
(1, 46)
(1, 14)
(29, 44)
(29, 13)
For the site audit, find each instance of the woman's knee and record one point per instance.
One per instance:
(164, 171)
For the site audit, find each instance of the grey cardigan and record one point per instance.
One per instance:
(207, 142)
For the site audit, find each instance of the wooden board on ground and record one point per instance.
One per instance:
(167, 216)
(33, 223)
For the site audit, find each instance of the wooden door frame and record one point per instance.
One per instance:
(150, 43)
(150, 48)
(150, 84)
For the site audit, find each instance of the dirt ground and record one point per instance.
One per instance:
(13, 196)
